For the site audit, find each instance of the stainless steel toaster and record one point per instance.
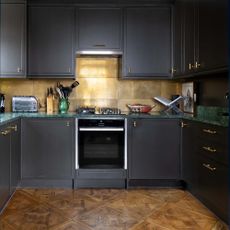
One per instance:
(24, 104)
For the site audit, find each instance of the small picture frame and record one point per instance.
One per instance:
(189, 99)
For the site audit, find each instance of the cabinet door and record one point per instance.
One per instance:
(213, 34)
(51, 41)
(12, 37)
(189, 158)
(189, 36)
(154, 149)
(178, 15)
(15, 157)
(213, 186)
(47, 148)
(4, 166)
(147, 49)
(99, 28)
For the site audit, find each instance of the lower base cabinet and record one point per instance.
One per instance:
(47, 152)
(4, 166)
(213, 186)
(205, 165)
(10, 160)
(153, 149)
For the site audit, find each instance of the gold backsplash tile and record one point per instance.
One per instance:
(99, 86)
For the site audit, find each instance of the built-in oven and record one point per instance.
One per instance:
(101, 143)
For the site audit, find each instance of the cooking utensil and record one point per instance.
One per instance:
(139, 108)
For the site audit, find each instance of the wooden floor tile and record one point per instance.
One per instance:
(107, 218)
(71, 225)
(174, 217)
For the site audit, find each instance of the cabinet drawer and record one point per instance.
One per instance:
(213, 150)
(100, 174)
(213, 186)
(212, 133)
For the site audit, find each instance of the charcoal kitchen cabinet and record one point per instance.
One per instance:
(10, 160)
(153, 149)
(51, 35)
(99, 29)
(15, 154)
(147, 42)
(13, 40)
(47, 152)
(189, 158)
(204, 37)
(213, 168)
(4, 165)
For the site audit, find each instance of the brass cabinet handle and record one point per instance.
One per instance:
(14, 127)
(190, 66)
(197, 65)
(183, 124)
(5, 132)
(173, 70)
(134, 124)
(208, 166)
(209, 149)
(19, 70)
(209, 131)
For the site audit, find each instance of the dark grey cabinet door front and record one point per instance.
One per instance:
(51, 41)
(47, 148)
(99, 28)
(213, 34)
(147, 46)
(12, 40)
(15, 160)
(4, 166)
(154, 149)
(189, 158)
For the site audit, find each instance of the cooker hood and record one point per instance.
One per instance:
(112, 53)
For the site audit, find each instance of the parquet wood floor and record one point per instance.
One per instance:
(107, 209)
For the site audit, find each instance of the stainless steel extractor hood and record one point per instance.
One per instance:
(99, 53)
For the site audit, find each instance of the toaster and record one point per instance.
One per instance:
(24, 104)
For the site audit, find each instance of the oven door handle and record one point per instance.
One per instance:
(101, 129)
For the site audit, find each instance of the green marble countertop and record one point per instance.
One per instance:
(215, 120)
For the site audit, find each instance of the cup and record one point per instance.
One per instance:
(63, 105)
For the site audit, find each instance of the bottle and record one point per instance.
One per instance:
(2, 103)
(49, 101)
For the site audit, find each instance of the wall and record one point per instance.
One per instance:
(99, 85)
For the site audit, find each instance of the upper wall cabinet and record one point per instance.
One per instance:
(99, 29)
(213, 34)
(12, 37)
(51, 41)
(147, 46)
(203, 28)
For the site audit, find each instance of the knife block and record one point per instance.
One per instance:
(49, 104)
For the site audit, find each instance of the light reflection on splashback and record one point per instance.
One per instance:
(99, 86)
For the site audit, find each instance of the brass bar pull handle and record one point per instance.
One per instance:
(190, 66)
(197, 65)
(183, 124)
(208, 166)
(99, 45)
(6, 132)
(209, 131)
(14, 127)
(134, 124)
(209, 149)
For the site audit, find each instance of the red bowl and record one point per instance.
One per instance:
(138, 108)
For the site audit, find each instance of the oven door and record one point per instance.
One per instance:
(101, 147)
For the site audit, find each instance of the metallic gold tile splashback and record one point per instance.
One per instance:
(99, 86)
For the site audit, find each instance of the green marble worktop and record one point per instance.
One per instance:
(210, 115)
